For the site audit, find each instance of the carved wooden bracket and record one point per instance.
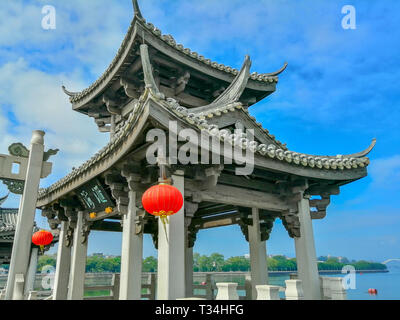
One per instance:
(119, 192)
(291, 223)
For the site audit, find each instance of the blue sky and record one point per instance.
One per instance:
(339, 91)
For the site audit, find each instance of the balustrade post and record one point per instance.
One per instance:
(337, 290)
(294, 290)
(227, 291)
(266, 292)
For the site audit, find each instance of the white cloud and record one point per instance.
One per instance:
(37, 102)
(385, 173)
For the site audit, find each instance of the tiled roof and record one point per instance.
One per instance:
(338, 162)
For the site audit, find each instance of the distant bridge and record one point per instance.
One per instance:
(390, 260)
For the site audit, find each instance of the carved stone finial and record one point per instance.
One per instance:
(18, 150)
(14, 186)
(37, 137)
(49, 153)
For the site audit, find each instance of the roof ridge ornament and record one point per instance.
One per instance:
(136, 9)
(148, 71)
(235, 90)
(69, 93)
(362, 153)
(276, 73)
(2, 200)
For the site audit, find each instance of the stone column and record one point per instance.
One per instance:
(258, 254)
(30, 279)
(26, 216)
(60, 291)
(171, 254)
(78, 263)
(190, 209)
(305, 253)
(189, 272)
(132, 254)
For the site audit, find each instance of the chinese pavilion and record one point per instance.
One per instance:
(151, 82)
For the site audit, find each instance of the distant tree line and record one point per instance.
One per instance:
(217, 263)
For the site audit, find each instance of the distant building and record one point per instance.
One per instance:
(98, 255)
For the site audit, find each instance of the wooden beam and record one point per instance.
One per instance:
(241, 181)
(239, 197)
(106, 226)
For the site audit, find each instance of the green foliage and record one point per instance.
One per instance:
(97, 263)
(46, 261)
(150, 264)
(236, 264)
(216, 263)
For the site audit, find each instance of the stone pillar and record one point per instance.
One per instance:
(171, 254)
(294, 290)
(227, 291)
(60, 291)
(132, 254)
(325, 288)
(26, 215)
(305, 253)
(265, 292)
(189, 272)
(78, 263)
(258, 254)
(30, 279)
(337, 291)
(18, 292)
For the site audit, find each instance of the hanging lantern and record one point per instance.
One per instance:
(42, 238)
(109, 210)
(93, 215)
(162, 201)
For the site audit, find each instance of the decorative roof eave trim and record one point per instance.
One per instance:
(148, 70)
(233, 93)
(363, 153)
(69, 93)
(2, 200)
(78, 99)
(101, 161)
(337, 163)
(136, 9)
(276, 73)
(111, 72)
(339, 168)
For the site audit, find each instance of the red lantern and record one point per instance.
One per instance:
(162, 200)
(42, 238)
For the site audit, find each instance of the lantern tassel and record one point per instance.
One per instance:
(42, 249)
(164, 220)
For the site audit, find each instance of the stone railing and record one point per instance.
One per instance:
(331, 288)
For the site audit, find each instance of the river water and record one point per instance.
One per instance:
(387, 284)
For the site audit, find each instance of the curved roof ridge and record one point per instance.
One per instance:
(2, 200)
(168, 39)
(270, 151)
